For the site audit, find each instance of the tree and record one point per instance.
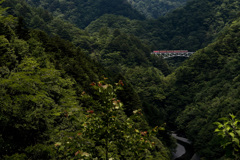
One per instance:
(7, 20)
(107, 133)
(31, 99)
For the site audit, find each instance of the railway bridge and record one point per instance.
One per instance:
(172, 53)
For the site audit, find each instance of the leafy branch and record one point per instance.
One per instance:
(229, 130)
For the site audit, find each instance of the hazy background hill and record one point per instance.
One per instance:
(191, 27)
(155, 9)
(83, 12)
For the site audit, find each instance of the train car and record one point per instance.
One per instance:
(170, 51)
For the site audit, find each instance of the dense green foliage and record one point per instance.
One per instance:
(155, 9)
(83, 12)
(49, 110)
(47, 102)
(114, 50)
(39, 18)
(191, 27)
(106, 133)
(205, 88)
(34, 86)
(229, 130)
(125, 54)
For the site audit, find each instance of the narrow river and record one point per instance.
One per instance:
(180, 150)
(184, 150)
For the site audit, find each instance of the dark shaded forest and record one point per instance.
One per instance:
(154, 9)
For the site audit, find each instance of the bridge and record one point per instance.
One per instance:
(172, 53)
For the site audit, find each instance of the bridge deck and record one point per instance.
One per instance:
(173, 53)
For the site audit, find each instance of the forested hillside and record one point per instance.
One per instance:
(155, 9)
(115, 50)
(206, 84)
(125, 54)
(205, 88)
(191, 27)
(39, 18)
(82, 12)
(56, 103)
(77, 80)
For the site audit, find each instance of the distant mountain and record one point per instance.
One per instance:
(83, 12)
(191, 27)
(155, 9)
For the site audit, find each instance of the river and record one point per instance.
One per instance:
(184, 150)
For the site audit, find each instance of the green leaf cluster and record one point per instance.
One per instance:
(112, 134)
(229, 130)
